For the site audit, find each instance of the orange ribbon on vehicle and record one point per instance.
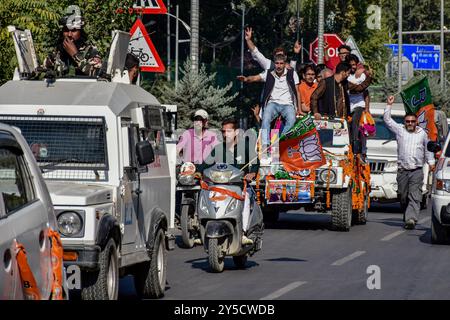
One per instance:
(29, 284)
(227, 192)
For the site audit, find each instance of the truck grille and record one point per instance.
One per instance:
(377, 166)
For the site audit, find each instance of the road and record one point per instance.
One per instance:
(302, 259)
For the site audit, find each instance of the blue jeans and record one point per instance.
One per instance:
(273, 110)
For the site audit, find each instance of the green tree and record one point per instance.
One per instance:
(197, 91)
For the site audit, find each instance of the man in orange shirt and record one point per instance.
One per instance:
(306, 88)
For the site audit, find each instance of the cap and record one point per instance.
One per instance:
(201, 113)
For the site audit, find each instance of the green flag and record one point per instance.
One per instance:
(303, 125)
(417, 96)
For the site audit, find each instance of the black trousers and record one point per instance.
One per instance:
(357, 139)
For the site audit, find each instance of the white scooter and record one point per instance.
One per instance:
(220, 208)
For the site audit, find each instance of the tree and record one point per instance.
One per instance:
(197, 91)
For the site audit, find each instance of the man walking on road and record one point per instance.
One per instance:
(411, 152)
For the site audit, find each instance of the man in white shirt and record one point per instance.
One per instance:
(411, 152)
(279, 96)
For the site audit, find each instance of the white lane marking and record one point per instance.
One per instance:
(283, 290)
(422, 221)
(348, 258)
(393, 235)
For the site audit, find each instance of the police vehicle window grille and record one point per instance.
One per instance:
(77, 175)
(74, 143)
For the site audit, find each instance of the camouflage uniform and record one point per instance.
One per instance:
(86, 62)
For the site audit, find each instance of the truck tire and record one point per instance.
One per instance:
(150, 276)
(439, 233)
(270, 214)
(360, 217)
(240, 261)
(103, 284)
(187, 235)
(215, 259)
(341, 210)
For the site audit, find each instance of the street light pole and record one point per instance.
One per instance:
(400, 43)
(177, 29)
(242, 42)
(442, 47)
(321, 27)
(195, 34)
(168, 42)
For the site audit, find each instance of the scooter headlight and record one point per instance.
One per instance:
(202, 205)
(186, 179)
(220, 176)
(232, 205)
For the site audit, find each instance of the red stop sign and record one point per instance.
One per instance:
(331, 44)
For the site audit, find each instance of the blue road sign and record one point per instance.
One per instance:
(422, 56)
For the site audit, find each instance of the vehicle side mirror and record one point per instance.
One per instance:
(434, 146)
(145, 153)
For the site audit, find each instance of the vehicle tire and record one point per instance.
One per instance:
(240, 261)
(185, 221)
(341, 210)
(424, 203)
(360, 217)
(270, 214)
(104, 283)
(215, 258)
(150, 276)
(439, 233)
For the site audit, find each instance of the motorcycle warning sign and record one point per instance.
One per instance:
(142, 47)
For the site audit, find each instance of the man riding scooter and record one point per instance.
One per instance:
(238, 154)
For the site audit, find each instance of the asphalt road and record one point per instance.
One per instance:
(302, 259)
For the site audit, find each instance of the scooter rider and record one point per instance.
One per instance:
(236, 150)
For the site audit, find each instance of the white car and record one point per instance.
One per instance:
(26, 213)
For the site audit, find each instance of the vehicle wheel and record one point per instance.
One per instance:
(103, 284)
(240, 261)
(150, 276)
(341, 214)
(215, 257)
(186, 224)
(360, 217)
(439, 233)
(424, 203)
(270, 214)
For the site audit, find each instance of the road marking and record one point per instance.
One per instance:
(422, 221)
(283, 290)
(354, 255)
(393, 235)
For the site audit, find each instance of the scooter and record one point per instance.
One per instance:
(188, 189)
(220, 206)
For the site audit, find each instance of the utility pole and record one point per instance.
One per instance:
(168, 42)
(321, 27)
(177, 30)
(194, 34)
(442, 47)
(400, 43)
(242, 42)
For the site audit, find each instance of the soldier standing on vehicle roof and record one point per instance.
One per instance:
(412, 151)
(73, 55)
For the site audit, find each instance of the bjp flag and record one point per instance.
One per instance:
(417, 99)
(300, 147)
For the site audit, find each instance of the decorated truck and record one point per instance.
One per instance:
(317, 171)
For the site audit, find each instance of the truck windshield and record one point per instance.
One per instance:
(332, 133)
(383, 133)
(74, 143)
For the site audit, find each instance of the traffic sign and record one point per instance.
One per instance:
(142, 46)
(355, 50)
(422, 56)
(150, 6)
(331, 44)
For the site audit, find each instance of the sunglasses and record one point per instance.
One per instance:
(410, 121)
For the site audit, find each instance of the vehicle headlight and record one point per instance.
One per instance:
(69, 223)
(232, 205)
(443, 185)
(186, 179)
(220, 176)
(323, 176)
(391, 166)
